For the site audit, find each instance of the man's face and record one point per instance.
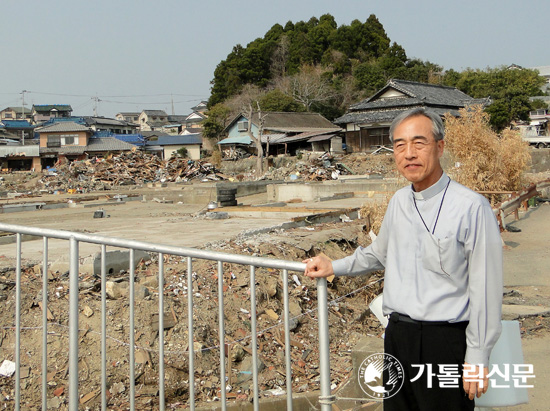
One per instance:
(417, 153)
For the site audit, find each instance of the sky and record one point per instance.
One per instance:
(131, 55)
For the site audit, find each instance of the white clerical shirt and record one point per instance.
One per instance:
(454, 274)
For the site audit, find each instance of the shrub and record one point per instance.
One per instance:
(484, 160)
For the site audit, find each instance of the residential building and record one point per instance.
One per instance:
(110, 125)
(367, 123)
(44, 112)
(284, 133)
(17, 129)
(63, 140)
(175, 124)
(72, 141)
(150, 120)
(167, 146)
(129, 117)
(193, 121)
(16, 113)
(20, 157)
(201, 107)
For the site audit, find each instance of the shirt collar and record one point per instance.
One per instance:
(433, 190)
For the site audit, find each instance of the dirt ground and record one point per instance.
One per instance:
(526, 284)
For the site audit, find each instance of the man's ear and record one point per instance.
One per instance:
(440, 147)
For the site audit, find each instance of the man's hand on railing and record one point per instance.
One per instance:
(318, 267)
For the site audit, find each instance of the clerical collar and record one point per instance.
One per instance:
(432, 190)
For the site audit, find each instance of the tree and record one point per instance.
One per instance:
(216, 122)
(311, 85)
(280, 55)
(182, 152)
(538, 103)
(308, 60)
(248, 103)
(276, 100)
(369, 77)
(508, 88)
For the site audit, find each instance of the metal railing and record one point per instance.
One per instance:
(325, 399)
(516, 200)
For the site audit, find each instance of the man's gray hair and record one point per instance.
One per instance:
(438, 129)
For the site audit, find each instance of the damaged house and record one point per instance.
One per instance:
(283, 133)
(367, 123)
(69, 141)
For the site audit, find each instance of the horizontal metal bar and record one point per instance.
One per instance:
(156, 248)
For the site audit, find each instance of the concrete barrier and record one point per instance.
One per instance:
(316, 190)
(116, 261)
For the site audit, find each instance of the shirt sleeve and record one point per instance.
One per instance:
(366, 259)
(483, 246)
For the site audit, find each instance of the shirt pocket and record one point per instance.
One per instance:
(441, 255)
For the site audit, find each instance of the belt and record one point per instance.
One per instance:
(396, 317)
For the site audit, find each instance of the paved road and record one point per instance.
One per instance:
(527, 263)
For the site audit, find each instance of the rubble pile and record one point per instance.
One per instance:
(349, 319)
(324, 167)
(331, 167)
(364, 163)
(130, 168)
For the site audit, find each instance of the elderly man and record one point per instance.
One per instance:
(441, 250)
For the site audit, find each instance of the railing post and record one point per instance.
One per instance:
(190, 334)
(45, 326)
(326, 399)
(161, 333)
(132, 360)
(18, 324)
(254, 332)
(103, 327)
(288, 360)
(221, 327)
(73, 324)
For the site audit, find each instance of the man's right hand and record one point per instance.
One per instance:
(318, 267)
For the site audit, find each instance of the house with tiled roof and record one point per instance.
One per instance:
(74, 141)
(167, 146)
(150, 120)
(367, 123)
(110, 125)
(130, 117)
(43, 112)
(285, 132)
(16, 113)
(16, 129)
(65, 139)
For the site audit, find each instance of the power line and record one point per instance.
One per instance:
(120, 96)
(150, 103)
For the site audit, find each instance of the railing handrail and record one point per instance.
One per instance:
(156, 248)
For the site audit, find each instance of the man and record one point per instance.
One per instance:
(441, 250)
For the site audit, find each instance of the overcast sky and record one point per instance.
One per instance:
(138, 54)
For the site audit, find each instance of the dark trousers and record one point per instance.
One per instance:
(426, 343)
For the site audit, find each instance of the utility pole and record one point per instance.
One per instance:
(172, 98)
(23, 115)
(96, 100)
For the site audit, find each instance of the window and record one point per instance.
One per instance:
(379, 136)
(242, 125)
(53, 141)
(69, 139)
(8, 115)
